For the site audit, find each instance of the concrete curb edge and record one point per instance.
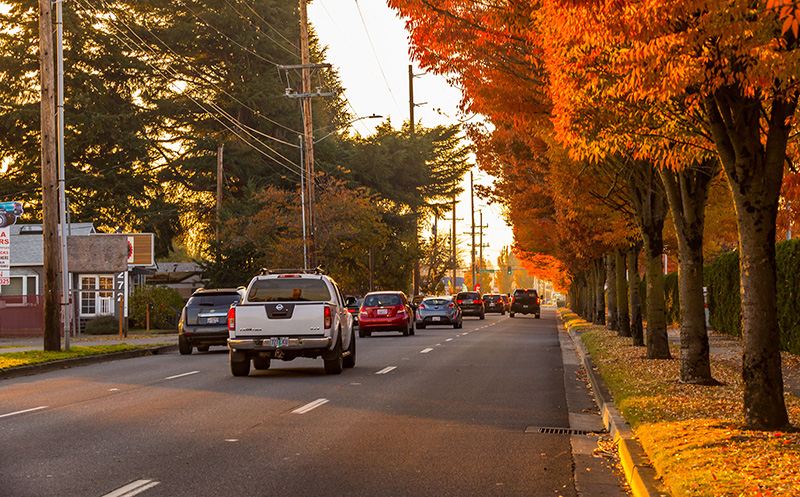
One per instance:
(20, 371)
(639, 474)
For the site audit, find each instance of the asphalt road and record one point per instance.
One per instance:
(442, 413)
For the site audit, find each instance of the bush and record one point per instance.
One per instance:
(102, 325)
(165, 306)
(721, 278)
(671, 298)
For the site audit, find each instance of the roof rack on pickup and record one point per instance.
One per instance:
(316, 270)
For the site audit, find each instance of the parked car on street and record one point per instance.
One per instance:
(493, 302)
(525, 301)
(353, 305)
(471, 304)
(203, 319)
(437, 311)
(385, 311)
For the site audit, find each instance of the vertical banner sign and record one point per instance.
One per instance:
(5, 256)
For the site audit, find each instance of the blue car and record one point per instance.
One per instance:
(9, 212)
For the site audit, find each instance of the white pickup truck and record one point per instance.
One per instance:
(287, 314)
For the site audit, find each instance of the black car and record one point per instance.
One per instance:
(525, 301)
(470, 304)
(353, 304)
(493, 302)
(204, 319)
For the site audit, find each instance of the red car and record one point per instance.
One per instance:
(385, 311)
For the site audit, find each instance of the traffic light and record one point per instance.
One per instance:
(508, 269)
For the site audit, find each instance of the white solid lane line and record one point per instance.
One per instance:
(22, 412)
(181, 375)
(310, 406)
(449, 340)
(386, 369)
(133, 488)
(425, 351)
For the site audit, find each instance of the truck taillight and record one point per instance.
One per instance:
(328, 317)
(232, 319)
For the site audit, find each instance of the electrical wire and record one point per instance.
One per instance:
(268, 25)
(143, 48)
(377, 59)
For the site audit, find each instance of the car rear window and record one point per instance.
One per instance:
(469, 295)
(381, 300)
(213, 299)
(492, 298)
(289, 290)
(436, 301)
(525, 294)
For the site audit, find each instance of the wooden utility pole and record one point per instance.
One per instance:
(453, 243)
(52, 305)
(308, 131)
(220, 149)
(472, 220)
(417, 274)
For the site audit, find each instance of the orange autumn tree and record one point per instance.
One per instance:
(730, 62)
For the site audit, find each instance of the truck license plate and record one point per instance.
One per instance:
(278, 342)
(213, 320)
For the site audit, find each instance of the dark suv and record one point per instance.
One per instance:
(525, 301)
(204, 319)
(494, 303)
(470, 304)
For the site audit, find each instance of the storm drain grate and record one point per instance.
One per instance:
(557, 431)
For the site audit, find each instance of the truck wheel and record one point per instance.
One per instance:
(4, 220)
(184, 347)
(261, 363)
(203, 348)
(240, 368)
(335, 364)
(349, 361)
(538, 316)
(511, 314)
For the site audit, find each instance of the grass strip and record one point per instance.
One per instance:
(27, 358)
(692, 434)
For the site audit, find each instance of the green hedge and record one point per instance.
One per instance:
(165, 304)
(724, 300)
(671, 301)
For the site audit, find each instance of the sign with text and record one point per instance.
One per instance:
(5, 256)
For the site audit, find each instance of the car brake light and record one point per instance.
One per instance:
(450, 305)
(289, 276)
(477, 301)
(422, 306)
(232, 319)
(459, 301)
(352, 311)
(401, 310)
(328, 317)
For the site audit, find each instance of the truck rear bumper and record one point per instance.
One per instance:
(279, 343)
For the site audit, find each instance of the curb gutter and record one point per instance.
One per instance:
(45, 367)
(640, 475)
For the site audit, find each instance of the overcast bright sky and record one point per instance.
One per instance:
(368, 45)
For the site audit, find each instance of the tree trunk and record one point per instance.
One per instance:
(687, 192)
(637, 329)
(647, 195)
(611, 292)
(755, 172)
(623, 317)
(599, 292)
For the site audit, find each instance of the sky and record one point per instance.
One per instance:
(368, 46)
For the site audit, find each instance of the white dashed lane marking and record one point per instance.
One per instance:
(310, 406)
(181, 375)
(22, 412)
(386, 370)
(425, 351)
(133, 488)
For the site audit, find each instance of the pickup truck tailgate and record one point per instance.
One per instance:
(279, 319)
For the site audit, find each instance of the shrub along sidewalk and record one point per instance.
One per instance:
(692, 433)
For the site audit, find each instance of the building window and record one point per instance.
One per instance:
(97, 302)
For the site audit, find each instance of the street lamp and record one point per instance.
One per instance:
(373, 116)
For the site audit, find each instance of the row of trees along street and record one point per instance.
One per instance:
(610, 120)
(153, 90)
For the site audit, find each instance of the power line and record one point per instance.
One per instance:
(377, 59)
(143, 47)
(269, 26)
